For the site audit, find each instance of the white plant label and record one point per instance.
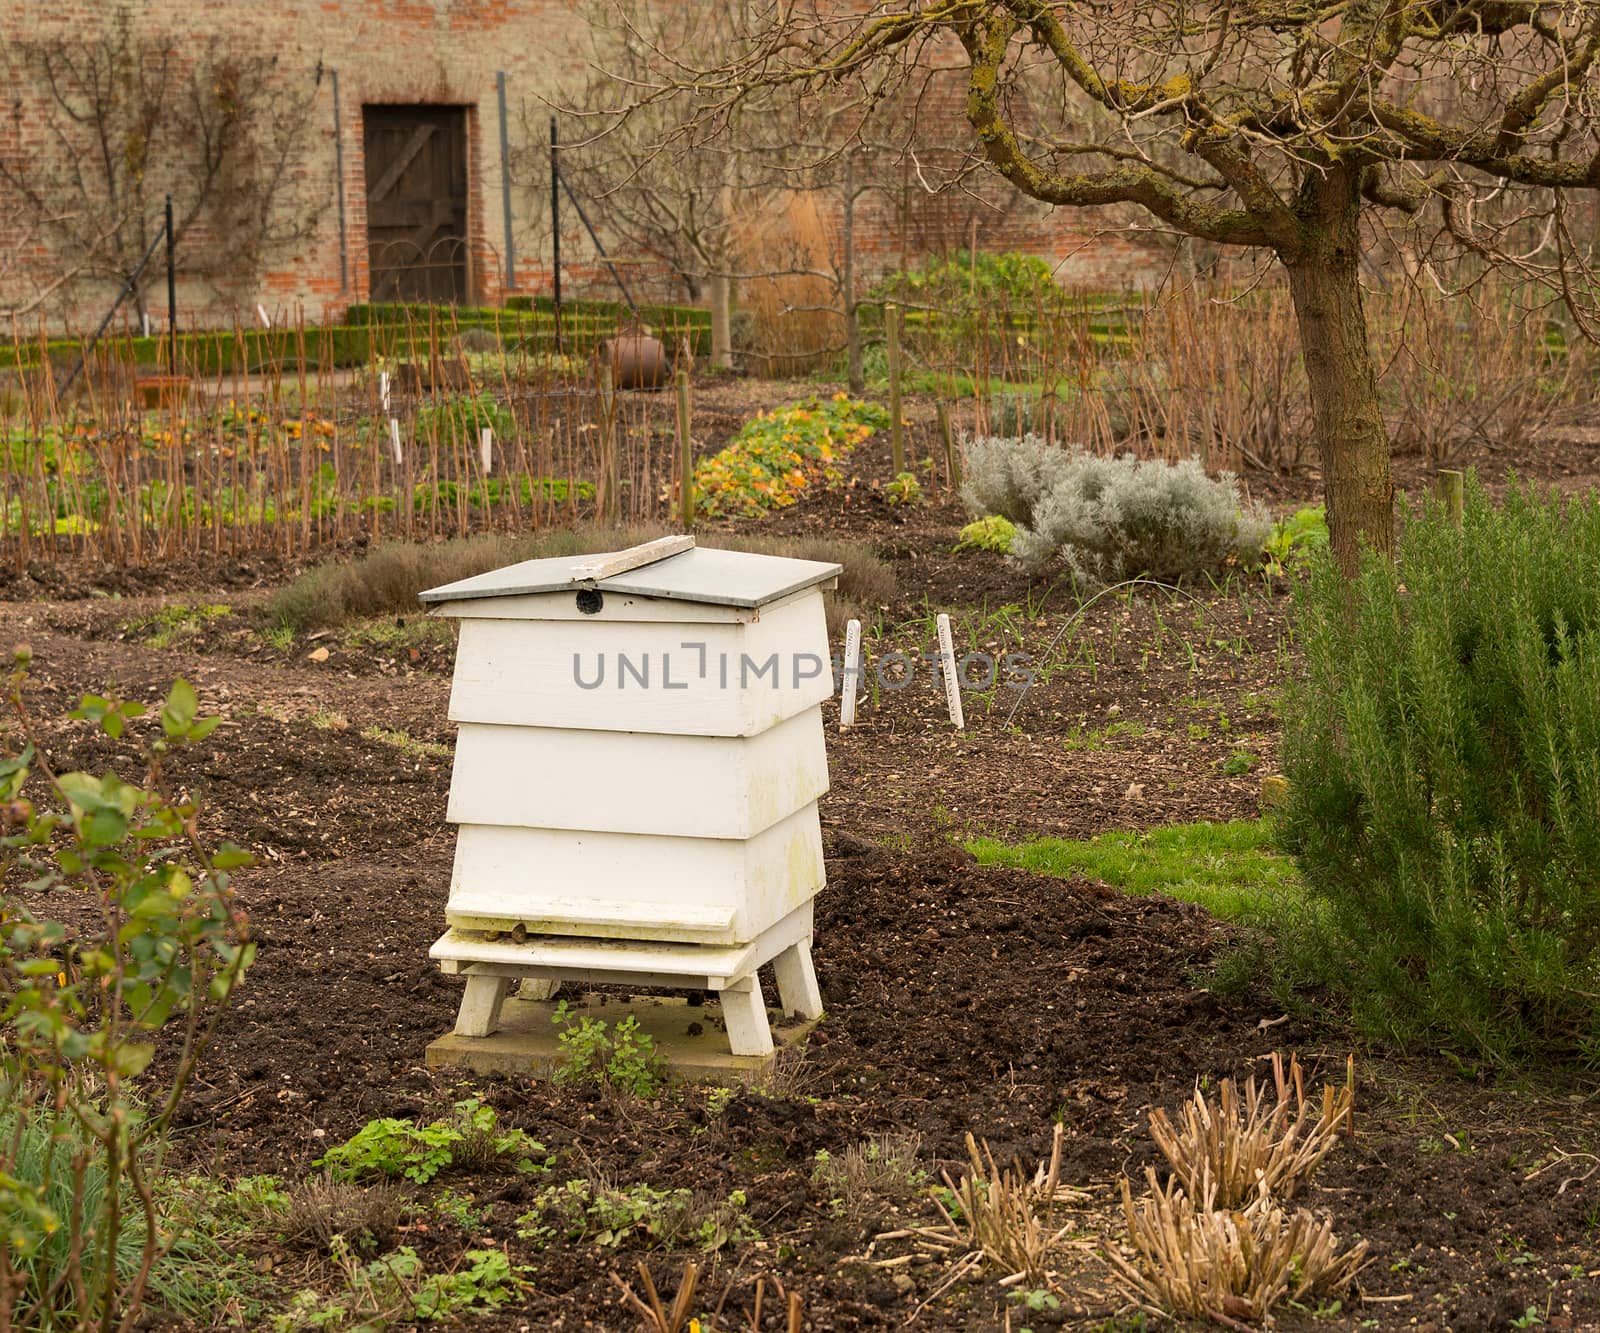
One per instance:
(852, 674)
(383, 389)
(394, 440)
(486, 446)
(266, 319)
(947, 664)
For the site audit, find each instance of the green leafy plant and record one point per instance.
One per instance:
(905, 489)
(371, 1294)
(992, 532)
(1293, 537)
(417, 1152)
(964, 281)
(488, 1281)
(462, 416)
(1444, 798)
(160, 944)
(597, 1213)
(778, 454)
(619, 1055)
(1237, 764)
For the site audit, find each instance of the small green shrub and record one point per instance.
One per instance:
(117, 921)
(994, 532)
(471, 1136)
(905, 489)
(1442, 745)
(990, 280)
(1112, 518)
(620, 1056)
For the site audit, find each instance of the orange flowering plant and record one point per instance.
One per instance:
(778, 454)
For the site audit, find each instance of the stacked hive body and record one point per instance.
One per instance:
(638, 762)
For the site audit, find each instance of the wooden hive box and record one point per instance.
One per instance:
(638, 761)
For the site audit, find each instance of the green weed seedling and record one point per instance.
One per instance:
(404, 1148)
(621, 1057)
(1239, 763)
(594, 1213)
(394, 1288)
(1098, 738)
(461, 1209)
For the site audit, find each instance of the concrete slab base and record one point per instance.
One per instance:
(692, 1039)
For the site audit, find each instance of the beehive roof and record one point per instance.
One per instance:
(699, 574)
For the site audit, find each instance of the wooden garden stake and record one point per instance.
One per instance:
(891, 331)
(1449, 485)
(852, 675)
(685, 455)
(947, 665)
(610, 501)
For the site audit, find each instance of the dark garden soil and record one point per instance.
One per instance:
(960, 998)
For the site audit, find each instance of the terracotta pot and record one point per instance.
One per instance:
(638, 360)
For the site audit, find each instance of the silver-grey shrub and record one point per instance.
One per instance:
(1113, 518)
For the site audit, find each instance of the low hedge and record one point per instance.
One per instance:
(370, 330)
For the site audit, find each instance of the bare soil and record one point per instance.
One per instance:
(960, 998)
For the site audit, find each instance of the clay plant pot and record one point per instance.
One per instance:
(161, 390)
(638, 360)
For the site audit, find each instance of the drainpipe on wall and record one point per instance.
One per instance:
(510, 282)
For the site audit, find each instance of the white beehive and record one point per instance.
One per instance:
(638, 761)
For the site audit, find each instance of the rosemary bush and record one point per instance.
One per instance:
(1442, 742)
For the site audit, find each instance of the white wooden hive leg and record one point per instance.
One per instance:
(797, 981)
(480, 1005)
(538, 988)
(744, 1011)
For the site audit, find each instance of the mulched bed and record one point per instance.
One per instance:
(959, 998)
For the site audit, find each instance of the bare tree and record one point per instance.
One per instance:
(672, 197)
(1278, 125)
(121, 117)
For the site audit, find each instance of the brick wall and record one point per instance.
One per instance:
(445, 52)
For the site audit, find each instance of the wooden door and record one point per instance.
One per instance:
(416, 202)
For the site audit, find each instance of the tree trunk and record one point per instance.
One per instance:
(717, 285)
(1347, 421)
